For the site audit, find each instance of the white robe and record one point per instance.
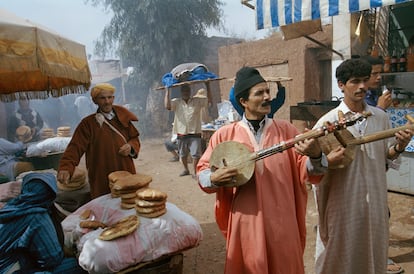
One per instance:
(352, 204)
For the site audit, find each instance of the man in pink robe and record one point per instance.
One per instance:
(263, 220)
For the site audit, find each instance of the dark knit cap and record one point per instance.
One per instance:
(246, 78)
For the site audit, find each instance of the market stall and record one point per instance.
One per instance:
(132, 228)
(38, 62)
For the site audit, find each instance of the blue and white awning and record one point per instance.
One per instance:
(274, 13)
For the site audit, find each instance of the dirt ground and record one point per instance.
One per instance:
(209, 256)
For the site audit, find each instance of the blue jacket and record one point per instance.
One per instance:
(275, 104)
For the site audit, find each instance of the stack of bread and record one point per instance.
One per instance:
(151, 203)
(47, 133)
(115, 176)
(63, 132)
(77, 181)
(122, 228)
(126, 187)
(24, 134)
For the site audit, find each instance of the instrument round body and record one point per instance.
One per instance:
(330, 142)
(237, 155)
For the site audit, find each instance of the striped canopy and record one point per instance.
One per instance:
(274, 13)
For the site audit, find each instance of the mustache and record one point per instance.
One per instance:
(265, 104)
(361, 91)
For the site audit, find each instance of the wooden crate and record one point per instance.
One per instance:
(169, 264)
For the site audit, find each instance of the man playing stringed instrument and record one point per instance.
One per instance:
(352, 200)
(263, 220)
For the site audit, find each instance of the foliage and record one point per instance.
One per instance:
(153, 36)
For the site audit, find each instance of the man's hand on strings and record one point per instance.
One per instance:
(309, 147)
(336, 156)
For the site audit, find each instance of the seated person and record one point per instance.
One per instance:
(10, 165)
(31, 237)
(25, 116)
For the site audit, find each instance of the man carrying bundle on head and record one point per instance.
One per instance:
(263, 220)
(107, 137)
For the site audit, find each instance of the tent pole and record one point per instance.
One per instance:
(323, 45)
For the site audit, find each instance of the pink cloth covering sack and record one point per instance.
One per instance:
(171, 232)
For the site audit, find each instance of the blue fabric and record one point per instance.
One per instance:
(38, 193)
(274, 13)
(371, 98)
(32, 241)
(27, 233)
(168, 79)
(275, 104)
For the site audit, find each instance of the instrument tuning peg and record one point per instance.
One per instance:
(366, 114)
(341, 115)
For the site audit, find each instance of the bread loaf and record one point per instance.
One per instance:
(132, 182)
(122, 228)
(144, 203)
(153, 214)
(127, 206)
(115, 175)
(92, 224)
(151, 194)
(85, 214)
(148, 210)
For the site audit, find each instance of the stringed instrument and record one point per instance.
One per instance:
(347, 140)
(237, 155)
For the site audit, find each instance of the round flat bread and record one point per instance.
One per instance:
(92, 224)
(130, 195)
(143, 203)
(69, 186)
(63, 128)
(132, 182)
(115, 194)
(127, 206)
(154, 214)
(85, 214)
(122, 228)
(129, 190)
(115, 175)
(128, 200)
(148, 210)
(151, 194)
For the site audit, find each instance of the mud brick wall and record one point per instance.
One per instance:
(307, 63)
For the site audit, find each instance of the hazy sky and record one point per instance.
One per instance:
(84, 23)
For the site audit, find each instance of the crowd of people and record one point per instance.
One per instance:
(262, 220)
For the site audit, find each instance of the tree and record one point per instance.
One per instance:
(153, 36)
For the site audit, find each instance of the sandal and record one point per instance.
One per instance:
(393, 268)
